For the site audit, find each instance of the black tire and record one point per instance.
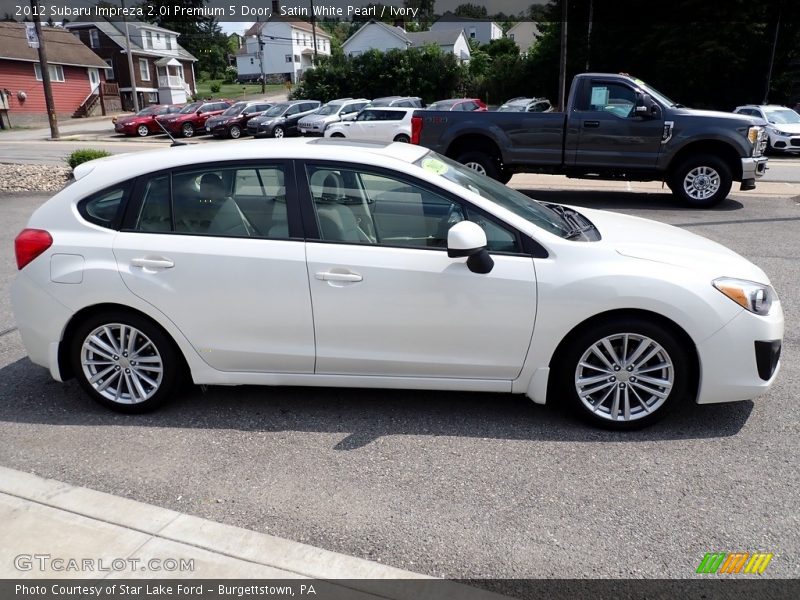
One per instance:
(235, 132)
(402, 138)
(143, 131)
(187, 130)
(626, 381)
(505, 176)
(703, 169)
(278, 132)
(482, 163)
(162, 348)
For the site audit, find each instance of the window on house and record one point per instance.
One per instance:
(288, 58)
(252, 62)
(94, 38)
(110, 71)
(56, 72)
(169, 42)
(296, 58)
(158, 37)
(144, 69)
(472, 33)
(148, 39)
(511, 36)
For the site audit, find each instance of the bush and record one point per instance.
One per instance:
(85, 155)
(215, 87)
(231, 75)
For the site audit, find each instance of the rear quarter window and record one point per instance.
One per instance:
(105, 208)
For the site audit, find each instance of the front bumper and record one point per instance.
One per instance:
(741, 360)
(752, 169)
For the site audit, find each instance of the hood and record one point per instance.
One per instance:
(793, 128)
(644, 239)
(740, 120)
(134, 119)
(319, 119)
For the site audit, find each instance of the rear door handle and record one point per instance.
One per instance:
(331, 276)
(591, 123)
(152, 263)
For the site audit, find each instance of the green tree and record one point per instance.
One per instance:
(471, 11)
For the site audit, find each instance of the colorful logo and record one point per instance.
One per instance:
(734, 562)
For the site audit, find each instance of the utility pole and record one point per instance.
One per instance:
(314, 29)
(131, 72)
(589, 34)
(562, 69)
(45, 67)
(772, 59)
(261, 44)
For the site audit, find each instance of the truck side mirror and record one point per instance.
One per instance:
(645, 107)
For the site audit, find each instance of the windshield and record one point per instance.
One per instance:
(234, 110)
(276, 111)
(190, 108)
(150, 110)
(441, 105)
(329, 109)
(782, 116)
(531, 210)
(511, 108)
(656, 94)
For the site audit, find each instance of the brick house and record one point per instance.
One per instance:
(76, 73)
(163, 70)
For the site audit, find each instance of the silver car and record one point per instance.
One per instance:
(343, 109)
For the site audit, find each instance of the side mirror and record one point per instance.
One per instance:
(645, 107)
(468, 239)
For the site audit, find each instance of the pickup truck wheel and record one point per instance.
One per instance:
(702, 181)
(505, 176)
(482, 163)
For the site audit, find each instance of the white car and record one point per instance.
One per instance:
(384, 124)
(314, 262)
(783, 125)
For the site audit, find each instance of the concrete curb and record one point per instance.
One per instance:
(45, 516)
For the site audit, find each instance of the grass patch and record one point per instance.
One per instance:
(235, 91)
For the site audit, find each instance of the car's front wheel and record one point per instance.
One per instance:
(278, 132)
(142, 130)
(403, 138)
(624, 374)
(187, 130)
(235, 132)
(125, 362)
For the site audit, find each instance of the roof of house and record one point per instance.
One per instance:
(116, 31)
(450, 17)
(63, 48)
(442, 37)
(390, 29)
(256, 27)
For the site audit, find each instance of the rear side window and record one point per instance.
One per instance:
(105, 208)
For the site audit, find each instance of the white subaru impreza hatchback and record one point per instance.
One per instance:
(329, 263)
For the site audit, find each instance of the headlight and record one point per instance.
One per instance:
(779, 132)
(755, 297)
(752, 134)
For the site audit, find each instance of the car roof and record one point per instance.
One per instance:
(107, 171)
(391, 108)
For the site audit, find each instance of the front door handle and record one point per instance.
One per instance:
(591, 123)
(333, 276)
(152, 263)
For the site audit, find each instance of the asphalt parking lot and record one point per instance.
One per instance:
(450, 484)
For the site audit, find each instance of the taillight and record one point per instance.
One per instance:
(29, 244)
(416, 129)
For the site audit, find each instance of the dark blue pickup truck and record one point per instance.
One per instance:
(615, 127)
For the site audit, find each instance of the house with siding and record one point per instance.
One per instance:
(288, 50)
(482, 31)
(525, 34)
(77, 75)
(163, 70)
(376, 35)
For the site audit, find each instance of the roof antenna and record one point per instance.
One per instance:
(164, 129)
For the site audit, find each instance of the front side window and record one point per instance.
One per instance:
(363, 207)
(230, 202)
(612, 98)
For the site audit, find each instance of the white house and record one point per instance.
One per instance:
(288, 49)
(525, 34)
(474, 29)
(376, 35)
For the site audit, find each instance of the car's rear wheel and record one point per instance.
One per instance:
(278, 132)
(124, 362)
(235, 132)
(701, 181)
(187, 130)
(480, 162)
(337, 135)
(624, 374)
(142, 130)
(402, 138)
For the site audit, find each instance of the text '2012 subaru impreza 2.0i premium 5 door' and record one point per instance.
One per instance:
(331, 263)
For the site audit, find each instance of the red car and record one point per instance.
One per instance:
(143, 123)
(464, 104)
(192, 118)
